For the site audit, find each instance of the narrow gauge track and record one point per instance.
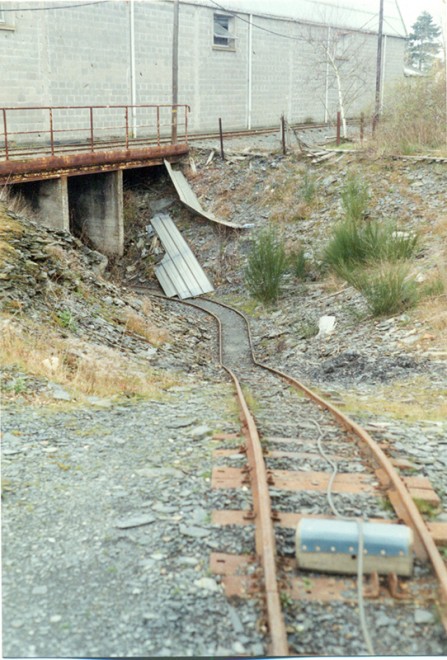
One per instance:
(288, 472)
(19, 152)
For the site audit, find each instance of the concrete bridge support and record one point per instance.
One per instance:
(89, 206)
(52, 203)
(96, 210)
(49, 200)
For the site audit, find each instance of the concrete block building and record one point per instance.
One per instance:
(245, 61)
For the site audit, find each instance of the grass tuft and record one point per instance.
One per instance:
(354, 198)
(387, 287)
(266, 267)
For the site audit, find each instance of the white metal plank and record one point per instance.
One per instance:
(162, 273)
(175, 245)
(179, 273)
(189, 198)
(188, 265)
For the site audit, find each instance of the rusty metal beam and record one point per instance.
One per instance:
(14, 171)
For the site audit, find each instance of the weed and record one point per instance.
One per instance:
(250, 400)
(355, 243)
(63, 466)
(354, 197)
(103, 372)
(131, 211)
(286, 600)
(66, 320)
(427, 509)
(7, 487)
(298, 264)
(17, 385)
(307, 329)
(388, 288)
(136, 324)
(433, 288)
(15, 203)
(308, 188)
(266, 268)
(414, 120)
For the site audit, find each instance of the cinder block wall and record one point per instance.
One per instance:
(82, 56)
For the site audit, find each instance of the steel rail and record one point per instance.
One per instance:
(262, 507)
(406, 508)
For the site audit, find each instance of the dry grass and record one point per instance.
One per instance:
(406, 401)
(9, 228)
(15, 203)
(84, 368)
(136, 324)
(433, 310)
(415, 122)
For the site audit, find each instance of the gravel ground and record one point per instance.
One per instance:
(107, 534)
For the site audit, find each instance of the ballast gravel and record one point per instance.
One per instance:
(107, 533)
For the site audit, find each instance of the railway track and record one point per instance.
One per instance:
(304, 463)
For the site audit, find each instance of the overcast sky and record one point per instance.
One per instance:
(411, 9)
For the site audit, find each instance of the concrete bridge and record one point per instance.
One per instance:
(69, 160)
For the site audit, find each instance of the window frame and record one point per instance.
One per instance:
(6, 20)
(226, 42)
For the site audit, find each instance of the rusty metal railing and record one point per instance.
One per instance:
(45, 130)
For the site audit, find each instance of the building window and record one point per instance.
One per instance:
(6, 20)
(224, 31)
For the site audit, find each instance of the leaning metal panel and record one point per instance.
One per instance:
(179, 273)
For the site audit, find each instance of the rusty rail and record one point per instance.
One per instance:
(401, 500)
(265, 542)
(56, 129)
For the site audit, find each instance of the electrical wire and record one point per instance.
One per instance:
(361, 538)
(235, 14)
(56, 6)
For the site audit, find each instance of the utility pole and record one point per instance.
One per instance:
(378, 69)
(175, 72)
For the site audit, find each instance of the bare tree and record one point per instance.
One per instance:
(342, 62)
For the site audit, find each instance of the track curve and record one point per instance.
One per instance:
(237, 358)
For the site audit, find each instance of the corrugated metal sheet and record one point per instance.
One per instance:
(179, 273)
(189, 198)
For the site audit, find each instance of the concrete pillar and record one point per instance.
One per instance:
(96, 204)
(51, 203)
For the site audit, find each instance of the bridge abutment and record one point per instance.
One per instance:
(52, 203)
(96, 210)
(89, 206)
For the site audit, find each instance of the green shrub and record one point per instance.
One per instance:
(346, 247)
(266, 267)
(308, 188)
(354, 243)
(387, 287)
(298, 264)
(66, 320)
(354, 197)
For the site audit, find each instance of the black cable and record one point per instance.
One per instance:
(56, 6)
(281, 34)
